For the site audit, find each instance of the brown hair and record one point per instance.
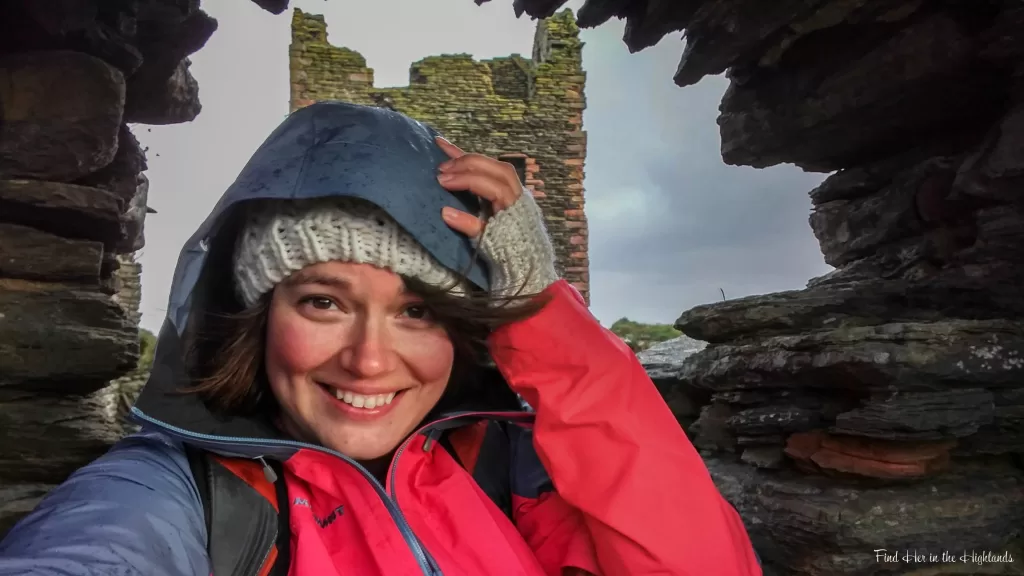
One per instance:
(226, 350)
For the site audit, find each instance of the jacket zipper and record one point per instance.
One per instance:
(392, 471)
(428, 430)
(427, 564)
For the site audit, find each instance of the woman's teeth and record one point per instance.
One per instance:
(360, 401)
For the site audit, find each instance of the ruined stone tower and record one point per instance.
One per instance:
(528, 112)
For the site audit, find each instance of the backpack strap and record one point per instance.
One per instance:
(247, 528)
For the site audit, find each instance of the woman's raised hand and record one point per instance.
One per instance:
(490, 179)
(516, 244)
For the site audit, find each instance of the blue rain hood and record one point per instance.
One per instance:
(326, 149)
(342, 149)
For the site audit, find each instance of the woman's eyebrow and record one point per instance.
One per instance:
(305, 278)
(301, 278)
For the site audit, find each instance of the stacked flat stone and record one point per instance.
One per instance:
(73, 200)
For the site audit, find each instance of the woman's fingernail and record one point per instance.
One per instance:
(445, 165)
(449, 213)
(444, 177)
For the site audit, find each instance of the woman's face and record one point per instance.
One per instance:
(353, 359)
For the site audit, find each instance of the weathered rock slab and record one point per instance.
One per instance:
(124, 177)
(995, 170)
(1006, 432)
(662, 361)
(171, 101)
(44, 133)
(787, 313)
(36, 255)
(897, 356)
(47, 437)
(838, 98)
(818, 451)
(62, 338)
(920, 415)
(66, 210)
(822, 526)
(163, 91)
(910, 204)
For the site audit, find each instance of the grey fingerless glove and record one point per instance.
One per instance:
(518, 250)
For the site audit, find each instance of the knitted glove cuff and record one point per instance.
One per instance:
(518, 250)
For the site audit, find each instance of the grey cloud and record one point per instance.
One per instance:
(670, 223)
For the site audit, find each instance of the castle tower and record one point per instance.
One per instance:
(525, 111)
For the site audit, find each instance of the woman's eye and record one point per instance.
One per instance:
(417, 312)
(318, 302)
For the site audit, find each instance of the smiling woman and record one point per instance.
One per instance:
(337, 386)
(331, 328)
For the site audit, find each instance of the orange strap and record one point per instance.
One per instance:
(251, 472)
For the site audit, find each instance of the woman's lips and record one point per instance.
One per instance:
(366, 406)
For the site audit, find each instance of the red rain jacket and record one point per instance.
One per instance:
(630, 494)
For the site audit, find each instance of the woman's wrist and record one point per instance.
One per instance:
(518, 249)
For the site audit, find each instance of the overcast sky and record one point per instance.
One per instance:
(670, 224)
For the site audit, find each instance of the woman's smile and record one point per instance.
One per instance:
(361, 406)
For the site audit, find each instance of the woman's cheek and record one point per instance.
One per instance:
(429, 355)
(298, 344)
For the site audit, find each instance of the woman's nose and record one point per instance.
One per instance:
(369, 352)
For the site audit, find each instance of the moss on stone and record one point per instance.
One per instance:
(502, 106)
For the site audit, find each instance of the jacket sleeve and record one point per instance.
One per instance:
(614, 450)
(553, 529)
(133, 512)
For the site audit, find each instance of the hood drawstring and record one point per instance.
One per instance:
(268, 472)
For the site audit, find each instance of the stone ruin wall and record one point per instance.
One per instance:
(526, 111)
(73, 199)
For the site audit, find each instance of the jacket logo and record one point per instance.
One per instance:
(321, 522)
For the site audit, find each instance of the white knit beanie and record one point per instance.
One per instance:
(282, 238)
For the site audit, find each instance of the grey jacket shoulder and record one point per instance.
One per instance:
(135, 511)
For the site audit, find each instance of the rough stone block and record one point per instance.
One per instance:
(46, 438)
(163, 91)
(35, 255)
(888, 357)
(818, 526)
(817, 450)
(124, 177)
(172, 100)
(834, 107)
(920, 415)
(44, 133)
(67, 210)
(58, 337)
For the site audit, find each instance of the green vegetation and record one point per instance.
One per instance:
(641, 336)
(147, 346)
(129, 385)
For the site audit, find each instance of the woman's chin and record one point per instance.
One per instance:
(363, 451)
(361, 440)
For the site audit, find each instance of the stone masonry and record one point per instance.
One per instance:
(73, 200)
(528, 112)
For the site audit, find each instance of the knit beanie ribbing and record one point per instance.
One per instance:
(280, 239)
